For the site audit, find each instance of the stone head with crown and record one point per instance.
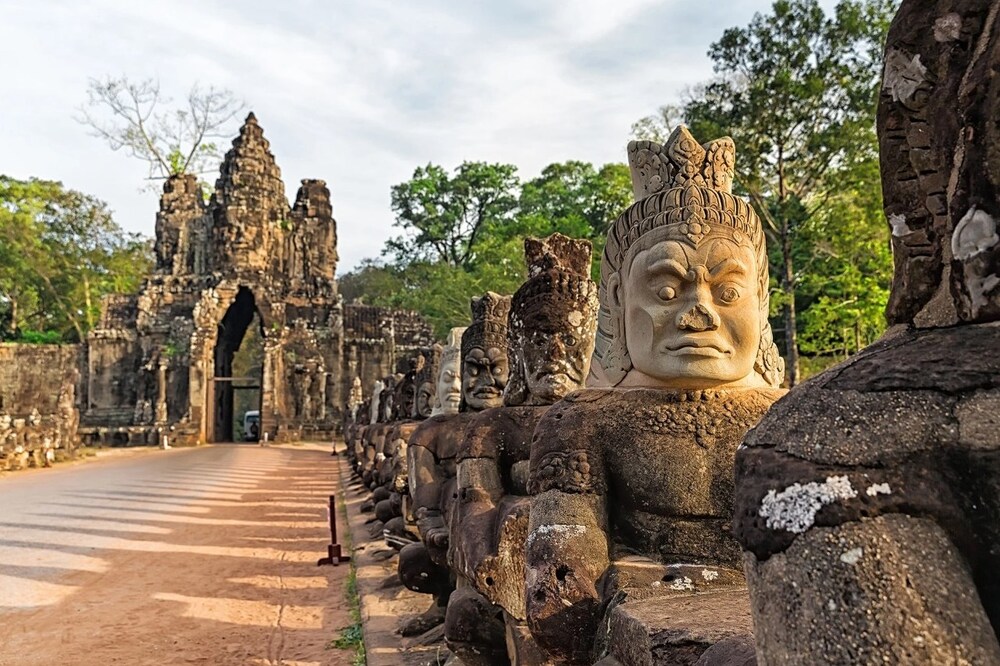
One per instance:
(552, 321)
(684, 277)
(484, 353)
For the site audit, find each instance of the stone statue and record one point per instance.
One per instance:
(392, 475)
(552, 322)
(868, 500)
(634, 479)
(423, 567)
(448, 395)
(426, 384)
(374, 405)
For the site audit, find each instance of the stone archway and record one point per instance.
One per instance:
(230, 383)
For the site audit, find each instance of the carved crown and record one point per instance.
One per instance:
(453, 346)
(489, 323)
(683, 192)
(431, 367)
(680, 161)
(558, 279)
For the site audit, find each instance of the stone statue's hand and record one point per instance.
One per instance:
(563, 609)
(437, 537)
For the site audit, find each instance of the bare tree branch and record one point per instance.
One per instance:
(170, 142)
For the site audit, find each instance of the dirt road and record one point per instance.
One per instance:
(191, 556)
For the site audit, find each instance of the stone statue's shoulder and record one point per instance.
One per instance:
(481, 434)
(429, 430)
(566, 448)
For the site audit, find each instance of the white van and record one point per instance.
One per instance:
(251, 425)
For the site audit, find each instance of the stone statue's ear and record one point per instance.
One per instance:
(616, 361)
(614, 293)
(515, 393)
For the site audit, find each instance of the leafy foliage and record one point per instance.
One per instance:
(60, 252)
(463, 234)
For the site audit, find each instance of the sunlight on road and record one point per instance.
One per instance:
(250, 613)
(17, 595)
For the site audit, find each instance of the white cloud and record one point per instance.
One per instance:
(357, 94)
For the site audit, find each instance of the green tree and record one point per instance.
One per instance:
(443, 216)
(796, 89)
(464, 233)
(60, 252)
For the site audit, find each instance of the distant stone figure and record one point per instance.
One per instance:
(634, 479)
(868, 500)
(423, 567)
(552, 322)
(448, 394)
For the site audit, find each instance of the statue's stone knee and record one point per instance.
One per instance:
(383, 510)
(474, 629)
(419, 573)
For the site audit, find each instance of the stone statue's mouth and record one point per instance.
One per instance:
(487, 393)
(698, 349)
(554, 374)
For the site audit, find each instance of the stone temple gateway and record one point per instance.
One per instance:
(162, 361)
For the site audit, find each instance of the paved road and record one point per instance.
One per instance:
(189, 556)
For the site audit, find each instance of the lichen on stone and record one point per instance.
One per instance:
(794, 509)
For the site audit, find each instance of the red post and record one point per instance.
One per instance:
(333, 550)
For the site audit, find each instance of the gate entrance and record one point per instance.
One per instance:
(239, 364)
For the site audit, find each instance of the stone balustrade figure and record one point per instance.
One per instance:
(431, 451)
(868, 499)
(552, 322)
(394, 474)
(630, 526)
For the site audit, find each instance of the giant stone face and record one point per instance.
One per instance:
(484, 375)
(692, 315)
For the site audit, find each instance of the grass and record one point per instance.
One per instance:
(352, 636)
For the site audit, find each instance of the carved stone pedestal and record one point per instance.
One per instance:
(680, 631)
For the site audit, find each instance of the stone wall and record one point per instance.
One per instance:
(39, 385)
(31, 376)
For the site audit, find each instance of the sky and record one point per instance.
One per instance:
(357, 93)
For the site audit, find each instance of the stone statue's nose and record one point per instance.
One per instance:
(698, 318)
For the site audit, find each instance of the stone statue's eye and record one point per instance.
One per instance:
(569, 341)
(667, 293)
(729, 295)
(471, 369)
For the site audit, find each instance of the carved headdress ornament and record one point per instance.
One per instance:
(428, 372)
(558, 291)
(489, 323)
(452, 347)
(683, 192)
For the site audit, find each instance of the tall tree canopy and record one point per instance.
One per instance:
(463, 232)
(797, 89)
(60, 252)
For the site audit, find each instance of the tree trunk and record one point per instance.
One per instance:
(788, 286)
(13, 318)
(787, 278)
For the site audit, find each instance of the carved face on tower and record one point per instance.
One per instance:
(484, 353)
(552, 322)
(684, 276)
(448, 393)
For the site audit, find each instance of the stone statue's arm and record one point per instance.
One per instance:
(426, 482)
(474, 515)
(566, 553)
